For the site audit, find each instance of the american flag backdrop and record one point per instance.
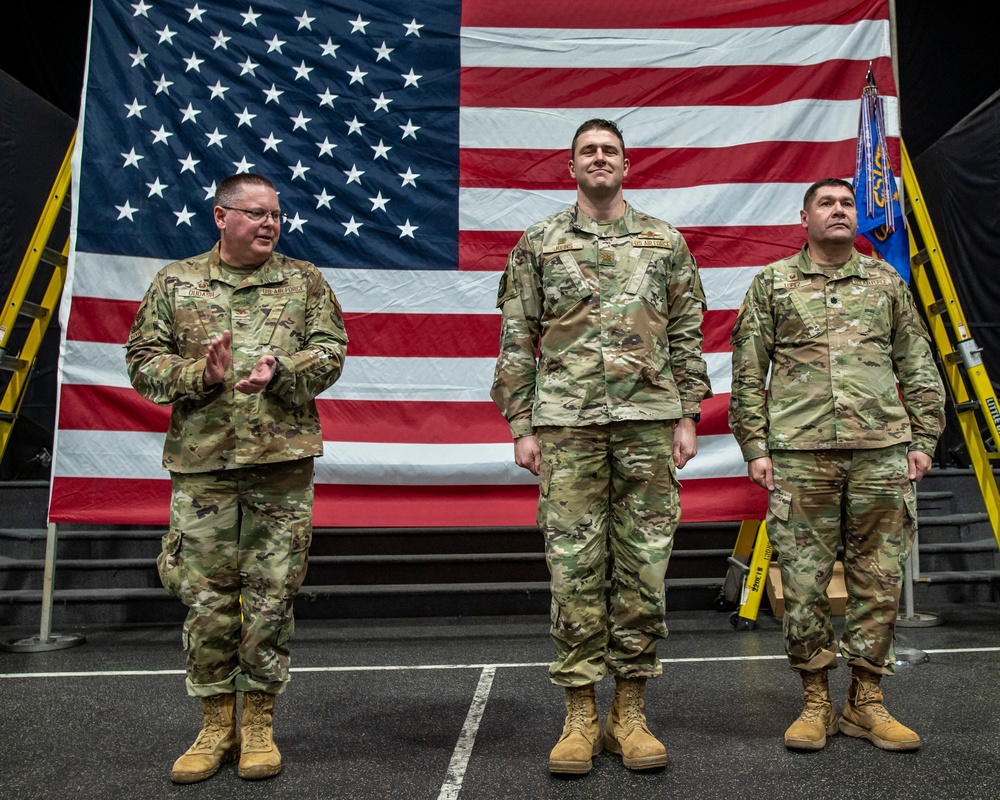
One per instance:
(411, 143)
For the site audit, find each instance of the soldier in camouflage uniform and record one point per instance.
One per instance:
(838, 451)
(239, 341)
(612, 301)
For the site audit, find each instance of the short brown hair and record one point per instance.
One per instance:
(231, 188)
(598, 125)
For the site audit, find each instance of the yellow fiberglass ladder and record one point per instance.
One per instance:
(16, 370)
(970, 389)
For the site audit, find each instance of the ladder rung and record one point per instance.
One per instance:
(938, 307)
(12, 364)
(33, 310)
(53, 257)
(922, 257)
(968, 405)
(7, 416)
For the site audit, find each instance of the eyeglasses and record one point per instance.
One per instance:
(259, 214)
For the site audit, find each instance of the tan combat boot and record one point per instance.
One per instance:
(865, 717)
(817, 719)
(581, 736)
(217, 743)
(259, 756)
(626, 733)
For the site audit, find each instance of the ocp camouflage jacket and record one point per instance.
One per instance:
(614, 312)
(286, 309)
(835, 344)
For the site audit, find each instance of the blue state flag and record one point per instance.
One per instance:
(880, 215)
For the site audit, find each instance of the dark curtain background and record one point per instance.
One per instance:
(960, 177)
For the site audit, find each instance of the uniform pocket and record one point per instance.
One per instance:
(544, 478)
(874, 322)
(779, 504)
(565, 285)
(301, 539)
(910, 500)
(170, 563)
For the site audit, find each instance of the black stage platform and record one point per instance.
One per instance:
(461, 707)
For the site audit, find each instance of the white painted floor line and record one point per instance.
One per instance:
(415, 667)
(467, 738)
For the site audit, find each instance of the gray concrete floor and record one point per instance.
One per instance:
(462, 708)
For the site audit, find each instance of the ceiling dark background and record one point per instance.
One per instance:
(946, 59)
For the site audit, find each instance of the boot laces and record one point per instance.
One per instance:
(870, 697)
(255, 736)
(817, 699)
(631, 710)
(208, 739)
(814, 712)
(576, 712)
(214, 728)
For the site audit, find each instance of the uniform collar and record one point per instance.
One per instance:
(266, 273)
(852, 269)
(626, 225)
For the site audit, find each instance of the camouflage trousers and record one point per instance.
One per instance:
(865, 499)
(235, 555)
(608, 493)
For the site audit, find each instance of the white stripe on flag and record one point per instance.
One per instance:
(704, 205)
(116, 454)
(365, 378)
(689, 126)
(374, 291)
(672, 47)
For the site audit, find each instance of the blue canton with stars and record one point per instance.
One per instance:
(350, 108)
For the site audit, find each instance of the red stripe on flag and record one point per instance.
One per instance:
(411, 422)
(742, 245)
(423, 335)
(485, 251)
(589, 14)
(110, 501)
(730, 246)
(716, 328)
(752, 85)
(391, 335)
(147, 502)
(97, 319)
(99, 408)
(408, 422)
(372, 335)
(665, 168)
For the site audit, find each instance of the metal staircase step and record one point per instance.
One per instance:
(967, 518)
(307, 593)
(980, 546)
(965, 576)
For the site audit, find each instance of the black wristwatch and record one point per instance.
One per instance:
(695, 417)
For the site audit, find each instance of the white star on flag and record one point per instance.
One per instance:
(126, 211)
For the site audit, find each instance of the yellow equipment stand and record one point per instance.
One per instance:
(965, 375)
(747, 578)
(21, 365)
